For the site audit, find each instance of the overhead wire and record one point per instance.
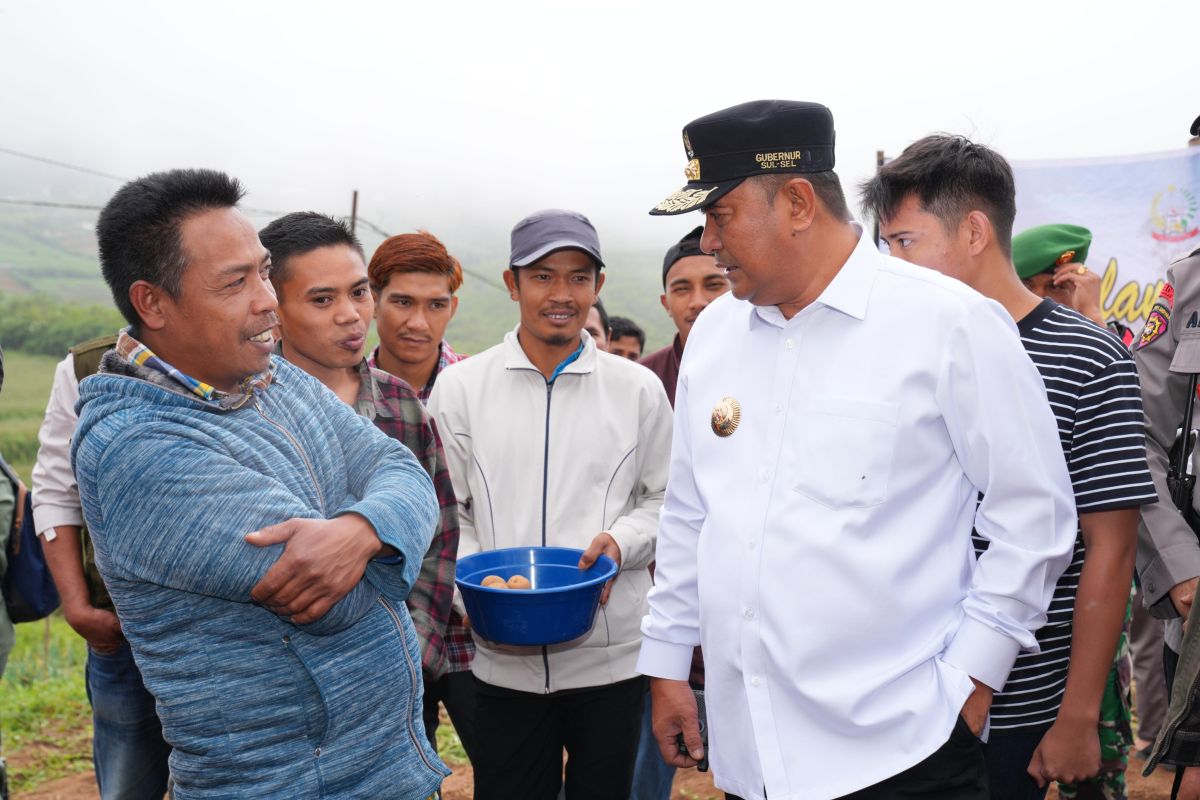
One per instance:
(64, 164)
(262, 212)
(48, 204)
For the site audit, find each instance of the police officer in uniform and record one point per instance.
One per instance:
(1168, 564)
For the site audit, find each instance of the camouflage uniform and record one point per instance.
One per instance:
(1116, 730)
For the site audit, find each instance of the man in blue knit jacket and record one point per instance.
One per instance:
(258, 537)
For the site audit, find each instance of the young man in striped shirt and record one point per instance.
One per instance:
(948, 203)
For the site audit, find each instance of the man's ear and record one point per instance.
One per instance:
(453, 305)
(599, 283)
(510, 280)
(152, 304)
(802, 204)
(979, 231)
(662, 298)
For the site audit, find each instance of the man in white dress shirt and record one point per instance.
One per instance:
(826, 471)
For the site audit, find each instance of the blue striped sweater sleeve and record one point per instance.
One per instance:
(161, 525)
(395, 495)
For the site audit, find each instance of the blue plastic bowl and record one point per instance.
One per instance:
(560, 607)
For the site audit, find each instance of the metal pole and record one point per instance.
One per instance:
(353, 211)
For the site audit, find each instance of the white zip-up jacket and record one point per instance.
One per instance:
(540, 463)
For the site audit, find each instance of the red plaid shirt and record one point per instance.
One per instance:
(459, 649)
(397, 411)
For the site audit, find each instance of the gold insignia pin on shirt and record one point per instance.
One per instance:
(726, 416)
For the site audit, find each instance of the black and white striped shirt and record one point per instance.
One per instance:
(1092, 386)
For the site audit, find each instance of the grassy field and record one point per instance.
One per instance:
(44, 713)
(27, 382)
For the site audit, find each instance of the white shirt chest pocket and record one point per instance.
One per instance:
(844, 451)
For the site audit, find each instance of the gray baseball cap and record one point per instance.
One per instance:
(543, 232)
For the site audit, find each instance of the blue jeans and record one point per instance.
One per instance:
(652, 776)
(128, 750)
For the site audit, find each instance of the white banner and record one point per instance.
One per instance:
(1143, 212)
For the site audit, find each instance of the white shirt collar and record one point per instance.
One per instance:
(515, 357)
(849, 291)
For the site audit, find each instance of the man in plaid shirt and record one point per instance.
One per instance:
(414, 280)
(325, 310)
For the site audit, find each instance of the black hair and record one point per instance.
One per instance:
(599, 305)
(140, 229)
(302, 232)
(620, 326)
(826, 186)
(950, 176)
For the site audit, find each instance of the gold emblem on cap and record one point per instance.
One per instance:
(726, 416)
(687, 146)
(692, 171)
(684, 199)
(1065, 258)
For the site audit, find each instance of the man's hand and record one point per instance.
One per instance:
(1083, 289)
(100, 627)
(673, 711)
(321, 562)
(1069, 752)
(1182, 595)
(606, 544)
(1189, 789)
(975, 710)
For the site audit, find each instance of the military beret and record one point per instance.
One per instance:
(1196, 127)
(1043, 248)
(728, 146)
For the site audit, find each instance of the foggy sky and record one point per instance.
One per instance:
(457, 117)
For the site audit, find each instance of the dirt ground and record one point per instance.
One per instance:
(689, 785)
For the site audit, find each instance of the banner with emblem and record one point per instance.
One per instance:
(1143, 212)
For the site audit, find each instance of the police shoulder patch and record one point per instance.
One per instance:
(1156, 324)
(1159, 318)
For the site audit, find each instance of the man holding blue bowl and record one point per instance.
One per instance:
(599, 428)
